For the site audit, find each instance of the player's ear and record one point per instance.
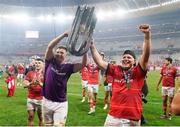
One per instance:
(134, 62)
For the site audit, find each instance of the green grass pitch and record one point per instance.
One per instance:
(13, 110)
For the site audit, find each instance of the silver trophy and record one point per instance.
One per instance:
(82, 29)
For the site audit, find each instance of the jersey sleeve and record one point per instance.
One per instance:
(110, 70)
(139, 72)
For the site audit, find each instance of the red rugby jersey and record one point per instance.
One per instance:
(93, 72)
(168, 76)
(20, 69)
(109, 79)
(34, 91)
(126, 103)
(84, 74)
(11, 69)
(10, 80)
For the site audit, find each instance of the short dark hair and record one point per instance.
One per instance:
(169, 59)
(39, 59)
(62, 47)
(130, 52)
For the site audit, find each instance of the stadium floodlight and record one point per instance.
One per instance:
(42, 18)
(121, 13)
(49, 18)
(17, 17)
(170, 2)
(6, 16)
(100, 15)
(110, 14)
(60, 18)
(31, 34)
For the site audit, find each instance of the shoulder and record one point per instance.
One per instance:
(112, 68)
(52, 60)
(139, 69)
(68, 65)
(175, 68)
(30, 73)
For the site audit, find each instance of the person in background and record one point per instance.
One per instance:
(93, 85)
(11, 81)
(168, 75)
(108, 88)
(20, 75)
(84, 82)
(34, 82)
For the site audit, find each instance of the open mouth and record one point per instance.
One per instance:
(126, 62)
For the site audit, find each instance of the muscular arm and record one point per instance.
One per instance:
(52, 44)
(146, 46)
(98, 58)
(79, 66)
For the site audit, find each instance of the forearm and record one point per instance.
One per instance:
(55, 41)
(146, 47)
(159, 81)
(97, 57)
(52, 44)
(84, 60)
(26, 83)
(79, 66)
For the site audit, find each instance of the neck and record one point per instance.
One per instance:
(38, 70)
(60, 62)
(169, 65)
(126, 68)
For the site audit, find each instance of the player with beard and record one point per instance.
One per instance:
(57, 73)
(128, 80)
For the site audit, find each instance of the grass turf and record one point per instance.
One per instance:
(13, 109)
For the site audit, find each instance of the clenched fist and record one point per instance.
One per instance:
(145, 28)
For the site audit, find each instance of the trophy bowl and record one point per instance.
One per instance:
(83, 25)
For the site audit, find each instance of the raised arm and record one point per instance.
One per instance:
(79, 66)
(98, 58)
(145, 28)
(52, 44)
